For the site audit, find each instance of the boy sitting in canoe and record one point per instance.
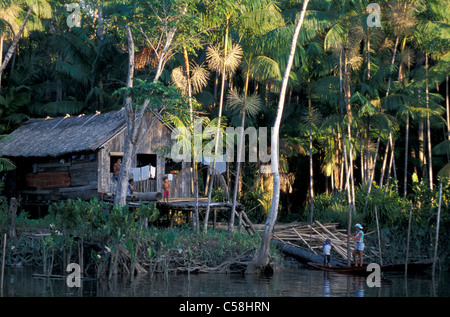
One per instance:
(327, 252)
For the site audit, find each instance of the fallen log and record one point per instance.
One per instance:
(302, 255)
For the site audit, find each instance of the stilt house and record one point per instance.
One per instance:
(72, 157)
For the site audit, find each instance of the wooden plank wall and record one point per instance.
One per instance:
(60, 178)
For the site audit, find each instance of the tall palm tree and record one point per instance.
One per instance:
(225, 63)
(247, 106)
(191, 80)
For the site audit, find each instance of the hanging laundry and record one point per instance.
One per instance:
(145, 172)
(221, 166)
(152, 171)
(135, 173)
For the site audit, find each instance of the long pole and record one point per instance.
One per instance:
(437, 227)
(379, 237)
(3, 263)
(407, 241)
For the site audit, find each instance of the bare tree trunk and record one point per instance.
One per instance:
(121, 192)
(405, 173)
(134, 127)
(430, 161)
(15, 41)
(344, 146)
(347, 95)
(261, 259)
(447, 103)
(311, 179)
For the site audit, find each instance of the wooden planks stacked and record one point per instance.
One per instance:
(306, 236)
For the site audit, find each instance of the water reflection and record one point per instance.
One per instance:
(297, 282)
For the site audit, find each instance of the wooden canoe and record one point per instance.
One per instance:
(341, 269)
(413, 267)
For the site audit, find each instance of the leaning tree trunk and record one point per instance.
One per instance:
(135, 118)
(347, 95)
(430, 161)
(15, 41)
(405, 173)
(311, 176)
(129, 148)
(447, 103)
(261, 259)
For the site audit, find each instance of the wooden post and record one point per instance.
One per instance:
(379, 237)
(437, 228)
(3, 263)
(407, 241)
(12, 231)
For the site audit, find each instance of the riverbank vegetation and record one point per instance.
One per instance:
(107, 240)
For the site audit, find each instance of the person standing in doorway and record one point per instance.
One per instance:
(116, 169)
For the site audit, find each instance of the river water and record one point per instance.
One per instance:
(291, 282)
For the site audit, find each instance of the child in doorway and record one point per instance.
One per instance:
(166, 187)
(327, 252)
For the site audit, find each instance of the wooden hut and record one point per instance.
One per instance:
(72, 157)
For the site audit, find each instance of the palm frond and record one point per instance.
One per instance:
(233, 58)
(214, 58)
(6, 164)
(199, 77)
(263, 68)
(179, 79)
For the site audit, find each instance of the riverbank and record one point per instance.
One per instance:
(153, 250)
(107, 241)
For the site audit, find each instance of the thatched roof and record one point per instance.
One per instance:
(63, 135)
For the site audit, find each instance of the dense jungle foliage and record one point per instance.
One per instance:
(366, 123)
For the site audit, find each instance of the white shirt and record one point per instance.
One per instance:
(327, 249)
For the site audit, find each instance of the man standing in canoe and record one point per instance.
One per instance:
(359, 248)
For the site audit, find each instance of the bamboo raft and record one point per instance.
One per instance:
(305, 236)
